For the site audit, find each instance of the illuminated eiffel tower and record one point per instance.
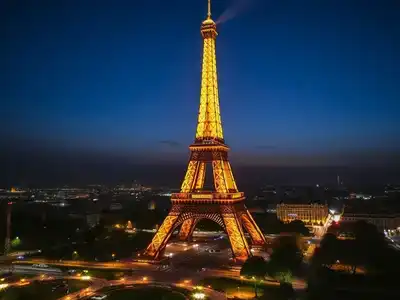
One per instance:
(225, 204)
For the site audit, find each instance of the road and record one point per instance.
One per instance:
(150, 275)
(96, 283)
(126, 282)
(188, 265)
(90, 265)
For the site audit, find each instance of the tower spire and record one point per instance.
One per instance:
(209, 126)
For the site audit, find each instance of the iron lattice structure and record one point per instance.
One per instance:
(225, 204)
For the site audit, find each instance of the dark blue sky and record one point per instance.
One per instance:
(306, 82)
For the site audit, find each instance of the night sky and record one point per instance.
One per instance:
(306, 82)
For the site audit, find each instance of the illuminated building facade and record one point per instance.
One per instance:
(309, 214)
(223, 205)
(382, 221)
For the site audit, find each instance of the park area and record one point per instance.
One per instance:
(243, 289)
(107, 246)
(132, 293)
(43, 290)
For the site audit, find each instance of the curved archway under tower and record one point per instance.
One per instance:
(233, 219)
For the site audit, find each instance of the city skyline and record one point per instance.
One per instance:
(297, 87)
(100, 198)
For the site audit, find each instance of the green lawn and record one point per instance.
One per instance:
(42, 290)
(245, 289)
(153, 293)
(109, 246)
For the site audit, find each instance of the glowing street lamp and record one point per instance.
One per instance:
(199, 296)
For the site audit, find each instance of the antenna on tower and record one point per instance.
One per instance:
(209, 9)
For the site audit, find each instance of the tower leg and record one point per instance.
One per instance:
(257, 237)
(239, 245)
(187, 229)
(162, 236)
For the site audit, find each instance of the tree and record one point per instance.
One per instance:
(326, 255)
(297, 226)
(348, 255)
(285, 259)
(254, 267)
(332, 250)
(369, 243)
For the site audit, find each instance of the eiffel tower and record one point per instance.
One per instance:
(225, 204)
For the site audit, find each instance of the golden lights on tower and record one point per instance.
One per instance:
(223, 205)
(209, 125)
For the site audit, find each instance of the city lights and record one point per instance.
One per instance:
(199, 296)
(315, 240)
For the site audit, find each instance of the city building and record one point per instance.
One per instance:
(383, 221)
(311, 214)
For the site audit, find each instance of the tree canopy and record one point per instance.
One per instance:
(285, 259)
(298, 226)
(368, 249)
(254, 266)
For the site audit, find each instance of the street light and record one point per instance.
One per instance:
(255, 286)
(199, 296)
